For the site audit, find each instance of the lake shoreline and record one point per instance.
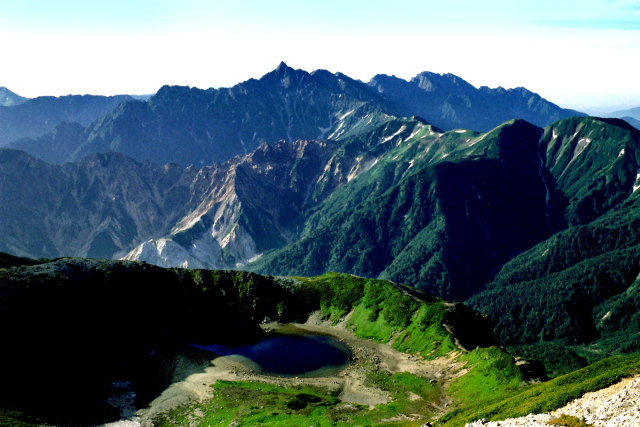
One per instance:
(349, 381)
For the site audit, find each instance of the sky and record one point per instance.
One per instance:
(580, 54)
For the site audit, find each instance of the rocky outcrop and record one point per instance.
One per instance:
(98, 207)
(613, 406)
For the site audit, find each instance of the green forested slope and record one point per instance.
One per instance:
(444, 224)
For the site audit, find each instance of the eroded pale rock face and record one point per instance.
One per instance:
(614, 406)
(167, 253)
(253, 203)
(220, 216)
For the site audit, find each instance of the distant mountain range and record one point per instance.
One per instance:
(631, 116)
(193, 126)
(449, 102)
(633, 122)
(8, 98)
(35, 117)
(632, 112)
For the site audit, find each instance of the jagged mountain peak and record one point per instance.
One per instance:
(522, 91)
(282, 67)
(285, 73)
(171, 89)
(384, 78)
(195, 126)
(430, 82)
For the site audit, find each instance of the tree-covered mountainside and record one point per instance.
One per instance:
(463, 203)
(194, 126)
(404, 201)
(442, 212)
(455, 225)
(593, 165)
(573, 298)
(385, 197)
(219, 216)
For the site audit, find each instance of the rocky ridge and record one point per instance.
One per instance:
(38, 116)
(193, 126)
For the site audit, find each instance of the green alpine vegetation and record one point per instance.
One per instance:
(535, 228)
(550, 395)
(459, 372)
(135, 321)
(441, 211)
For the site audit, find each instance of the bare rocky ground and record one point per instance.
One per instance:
(614, 406)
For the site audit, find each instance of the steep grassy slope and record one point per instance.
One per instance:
(592, 166)
(450, 213)
(135, 322)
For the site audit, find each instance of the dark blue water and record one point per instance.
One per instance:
(288, 354)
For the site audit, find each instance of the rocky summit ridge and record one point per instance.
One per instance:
(193, 126)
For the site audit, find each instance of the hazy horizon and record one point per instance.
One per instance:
(582, 55)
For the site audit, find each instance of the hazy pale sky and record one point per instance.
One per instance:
(580, 54)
